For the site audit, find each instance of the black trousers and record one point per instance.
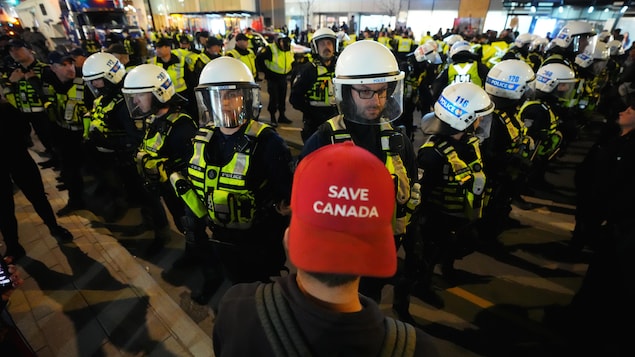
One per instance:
(19, 167)
(71, 151)
(277, 89)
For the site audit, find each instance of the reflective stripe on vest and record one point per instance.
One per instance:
(280, 60)
(455, 196)
(248, 59)
(229, 201)
(464, 72)
(71, 107)
(321, 93)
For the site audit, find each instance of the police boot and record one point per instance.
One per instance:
(283, 119)
(212, 280)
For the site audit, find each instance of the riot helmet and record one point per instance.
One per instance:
(227, 94)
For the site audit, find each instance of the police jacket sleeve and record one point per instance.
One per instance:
(438, 84)
(301, 85)
(179, 142)
(279, 166)
(261, 57)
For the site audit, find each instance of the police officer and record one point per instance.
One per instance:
(312, 90)
(276, 61)
(554, 85)
(463, 67)
(520, 50)
(150, 95)
(67, 110)
(28, 93)
(112, 136)
(507, 153)
(452, 188)
(369, 96)
(245, 54)
(212, 50)
(19, 167)
(239, 179)
(179, 68)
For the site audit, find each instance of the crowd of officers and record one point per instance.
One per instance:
(181, 130)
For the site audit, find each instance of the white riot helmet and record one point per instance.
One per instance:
(459, 106)
(557, 79)
(428, 52)
(227, 93)
(512, 79)
(604, 36)
(524, 39)
(452, 39)
(538, 44)
(102, 65)
(150, 79)
(355, 70)
(570, 35)
(324, 33)
(615, 48)
(599, 52)
(460, 46)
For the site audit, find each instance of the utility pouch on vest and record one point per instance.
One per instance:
(231, 210)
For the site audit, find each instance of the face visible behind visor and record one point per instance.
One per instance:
(228, 95)
(144, 88)
(102, 66)
(354, 69)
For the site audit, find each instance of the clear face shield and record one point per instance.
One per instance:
(228, 106)
(566, 92)
(96, 86)
(373, 103)
(483, 126)
(140, 105)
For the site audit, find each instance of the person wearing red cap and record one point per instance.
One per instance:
(369, 95)
(342, 205)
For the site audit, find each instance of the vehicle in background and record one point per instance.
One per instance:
(85, 18)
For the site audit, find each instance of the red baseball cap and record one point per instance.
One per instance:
(342, 203)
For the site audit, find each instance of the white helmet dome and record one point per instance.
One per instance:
(597, 52)
(427, 52)
(227, 93)
(225, 70)
(147, 78)
(460, 46)
(323, 33)
(452, 39)
(604, 36)
(523, 39)
(615, 47)
(460, 104)
(354, 67)
(538, 44)
(552, 74)
(511, 79)
(571, 31)
(103, 65)
(558, 79)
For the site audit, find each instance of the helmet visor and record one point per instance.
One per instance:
(375, 103)
(227, 106)
(96, 86)
(566, 92)
(140, 105)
